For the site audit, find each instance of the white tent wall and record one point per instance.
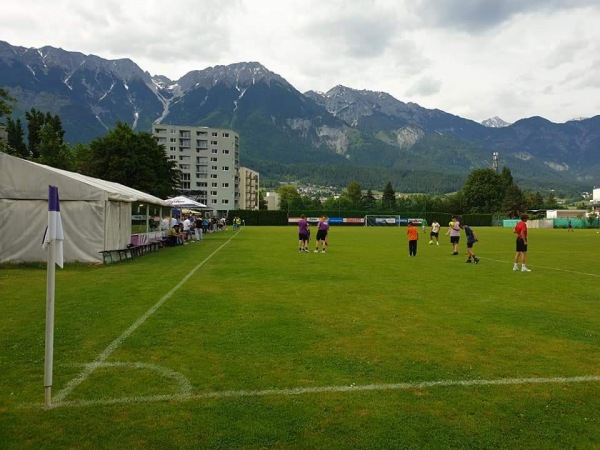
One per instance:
(118, 221)
(22, 225)
(96, 214)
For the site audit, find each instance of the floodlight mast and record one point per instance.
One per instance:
(495, 161)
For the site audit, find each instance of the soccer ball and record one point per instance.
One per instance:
(451, 224)
(430, 242)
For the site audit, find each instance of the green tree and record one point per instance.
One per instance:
(262, 202)
(56, 124)
(484, 191)
(551, 202)
(16, 144)
(369, 201)
(388, 198)
(289, 198)
(53, 151)
(354, 194)
(514, 203)
(533, 200)
(5, 103)
(133, 159)
(506, 177)
(35, 122)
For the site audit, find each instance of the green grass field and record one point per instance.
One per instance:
(242, 342)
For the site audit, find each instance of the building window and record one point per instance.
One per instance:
(214, 184)
(173, 140)
(214, 151)
(213, 175)
(214, 193)
(225, 134)
(224, 201)
(172, 131)
(225, 168)
(214, 167)
(226, 152)
(225, 185)
(213, 142)
(214, 158)
(214, 133)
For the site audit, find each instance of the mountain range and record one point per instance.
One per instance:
(328, 138)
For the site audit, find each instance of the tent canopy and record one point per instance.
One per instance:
(184, 202)
(96, 214)
(25, 180)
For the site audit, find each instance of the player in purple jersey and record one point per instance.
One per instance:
(303, 234)
(322, 230)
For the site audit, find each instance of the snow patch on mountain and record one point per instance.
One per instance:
(495, 122)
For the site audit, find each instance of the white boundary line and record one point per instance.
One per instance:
(99, 361)
(325, 389)
(547, 268)
(186, 395)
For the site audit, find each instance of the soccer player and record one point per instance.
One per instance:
(521, 253)
(303, 234)
(413, 238)
(322, 230)
(455, 235)
(471, 239)
(434, 233)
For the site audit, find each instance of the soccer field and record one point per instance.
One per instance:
(243, 342)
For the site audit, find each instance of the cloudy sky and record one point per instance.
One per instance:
(472, 58)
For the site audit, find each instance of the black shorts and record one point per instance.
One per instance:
(321, 235)
(521, 246)
(470, 244)
(454, 239)
(434, 235)
(302, 237)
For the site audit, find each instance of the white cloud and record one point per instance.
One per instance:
(475, 59)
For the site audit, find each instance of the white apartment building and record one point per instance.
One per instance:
(209, 160)
(273, 200)
(249, 189)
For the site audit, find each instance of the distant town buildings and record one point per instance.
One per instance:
(272, 199)
(249, 189)
(595, 201)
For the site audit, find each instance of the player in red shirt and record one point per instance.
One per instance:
(521, 232)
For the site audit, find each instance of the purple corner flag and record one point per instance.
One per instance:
(54, 231)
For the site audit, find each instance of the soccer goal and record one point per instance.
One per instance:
(382, 220)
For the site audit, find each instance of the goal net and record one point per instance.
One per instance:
(382, 220)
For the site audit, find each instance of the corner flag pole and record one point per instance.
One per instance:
(49, 352)
(53, 240)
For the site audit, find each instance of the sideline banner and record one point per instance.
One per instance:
(332, 220)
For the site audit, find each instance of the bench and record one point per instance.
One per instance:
(124, 254)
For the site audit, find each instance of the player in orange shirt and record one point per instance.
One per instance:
(413, 237)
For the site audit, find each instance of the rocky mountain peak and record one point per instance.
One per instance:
(495, 122)
(241, 75)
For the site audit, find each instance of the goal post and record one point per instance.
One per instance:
(382, 220)
(392, 220)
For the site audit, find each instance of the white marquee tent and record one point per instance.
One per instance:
(96, 214)
(184, 202)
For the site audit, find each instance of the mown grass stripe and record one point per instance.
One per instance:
(89, 368)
